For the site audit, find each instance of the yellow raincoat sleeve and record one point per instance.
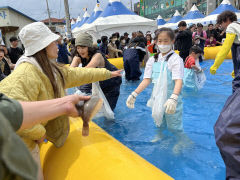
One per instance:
(23, 85)
(230, 37)
(79, 76)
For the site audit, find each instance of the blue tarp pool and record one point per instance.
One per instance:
(135, 128)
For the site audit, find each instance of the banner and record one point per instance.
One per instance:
(142, 8)
(4, 17)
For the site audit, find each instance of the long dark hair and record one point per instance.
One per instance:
(169, 32)
(49, 69)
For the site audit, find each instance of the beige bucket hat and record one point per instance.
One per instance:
(35, 37)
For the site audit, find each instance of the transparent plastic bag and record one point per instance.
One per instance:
(193, 80)
(189, 80)
(200, 79)
(106, 110)
(159, 96)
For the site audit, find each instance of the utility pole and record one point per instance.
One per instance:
(69, 35)
(49, 17)
(131, 5)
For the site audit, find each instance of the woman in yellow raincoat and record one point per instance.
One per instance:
(37, 77)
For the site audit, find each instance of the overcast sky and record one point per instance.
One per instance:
(37, 9)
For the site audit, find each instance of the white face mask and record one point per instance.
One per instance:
(164, 48)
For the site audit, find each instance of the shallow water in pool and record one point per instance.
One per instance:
(135, 128)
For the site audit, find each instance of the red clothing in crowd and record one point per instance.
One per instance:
(150, 46)
(210, 43)
(190, 61)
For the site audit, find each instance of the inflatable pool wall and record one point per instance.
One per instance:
(98, 156)
(209, 53)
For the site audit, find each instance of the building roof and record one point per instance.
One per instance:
(10, 8)
(54, 20)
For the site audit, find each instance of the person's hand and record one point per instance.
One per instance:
(116, 73)
(39, 141)
(213, 69)
(70, 102)
(131, 100)
(171, 104)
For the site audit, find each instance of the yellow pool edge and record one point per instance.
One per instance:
(209, 53)
(98, 156)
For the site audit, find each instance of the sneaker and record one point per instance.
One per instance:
(87, 111)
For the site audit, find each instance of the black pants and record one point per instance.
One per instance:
(227, 127)
(112, 96)
(236, 66)
(132, 64)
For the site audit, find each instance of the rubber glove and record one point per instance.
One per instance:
(222, 54)
(171, 104)
(131, 100)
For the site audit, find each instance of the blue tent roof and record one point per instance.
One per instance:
(75, 24)
(115, 7)
(83, 21)
(95, 14)
(194, 13)
(176, 18)
(224, 6)
(160, 21)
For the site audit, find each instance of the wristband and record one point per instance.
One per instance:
(134, 94)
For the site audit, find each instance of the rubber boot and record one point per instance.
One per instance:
(87, 111)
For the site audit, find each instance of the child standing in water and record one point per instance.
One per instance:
(166, 71)
(194, 77)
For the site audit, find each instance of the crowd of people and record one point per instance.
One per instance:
(195, 35)
(35, 77)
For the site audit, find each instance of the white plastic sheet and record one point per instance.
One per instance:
(106, 110)
(159, 96)
(200, 79)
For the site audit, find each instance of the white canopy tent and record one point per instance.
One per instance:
(86, 16)
(117, 18)
(224, 6)
(173, 22)
(73, 22)
(96, 13)
(77, 21)
(160, 21)
(193, 16)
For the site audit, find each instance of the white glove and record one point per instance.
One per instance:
(171, 104)
(131, 100)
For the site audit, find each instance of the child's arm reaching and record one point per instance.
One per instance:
(143, 85)
(196, 68)
(132, 97)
